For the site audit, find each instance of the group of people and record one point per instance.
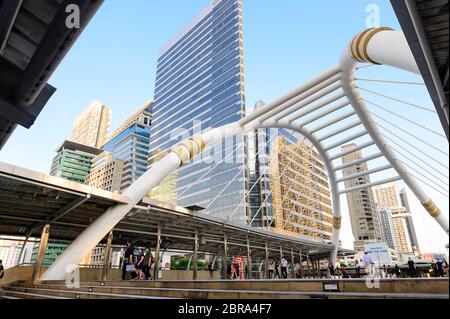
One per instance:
(439, 267)
(387, 271)
(137, 265)
(275, 266)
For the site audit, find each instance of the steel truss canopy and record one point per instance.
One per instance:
(34, 39)
(309, 110)
(425, 24)
(30, 200)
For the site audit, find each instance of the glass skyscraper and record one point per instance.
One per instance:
(130, 144)
(200, 85)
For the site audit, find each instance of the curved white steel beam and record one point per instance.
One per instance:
(330, 170)
(383, 46)
(373, 46)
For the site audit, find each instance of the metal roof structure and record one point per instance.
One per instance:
(34, 39)
(425, 24)
(29, 200)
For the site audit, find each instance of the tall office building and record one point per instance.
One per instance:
(200, 85)
(361, 204)
(73, 161)
(128, 148)
(389, 196)
(301, 200)
(386, 224)
(91, 126)
(288, 185)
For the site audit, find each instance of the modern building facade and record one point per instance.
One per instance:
(10, 252)
(199, 85)
(73, 161)
(386, 226)
(53, 249)
(301, 200)
(91, 126)
(127, 150)
(361, 204)
(288, 184)
(106, 172)
(389, 196)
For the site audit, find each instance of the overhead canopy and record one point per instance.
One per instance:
(29, 200)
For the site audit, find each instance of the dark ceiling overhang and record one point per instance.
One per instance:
(426, 26)
(34, 39)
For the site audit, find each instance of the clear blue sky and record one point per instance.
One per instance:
(286, 43)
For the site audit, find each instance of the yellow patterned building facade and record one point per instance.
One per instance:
(301, 200)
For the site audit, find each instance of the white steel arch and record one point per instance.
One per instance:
(331, 91)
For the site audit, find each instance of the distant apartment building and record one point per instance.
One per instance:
(361, 204)
(98, 256)
(389, 196)
(106, 172)
(10, 252)
(127, 150)
(91, 126)
(73, 161)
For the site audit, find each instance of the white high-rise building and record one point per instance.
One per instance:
(389, 196)
(361, 204)
(91, 126)
(10, 252)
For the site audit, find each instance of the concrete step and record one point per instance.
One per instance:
(416, 286)
(149, 292)
(50, 293)
(22, 294)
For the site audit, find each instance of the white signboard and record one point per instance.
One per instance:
(379, 252)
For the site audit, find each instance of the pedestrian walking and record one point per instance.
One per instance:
(211, 270)
(368, 263)
(140, 265)
(332, 273)
(277, 271)
(284, 266)
(128, 260)
(2, 269)
(411, 267)
(440, 268)
(271, 269)
(358, 270)
(397, 271)
(297, 272)
(147, 264)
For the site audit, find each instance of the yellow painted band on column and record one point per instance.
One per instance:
(190, 145)
(359, 56)
(337, 222)
(200, 143)
(359, 44)
(432, 209)
(181, 152)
